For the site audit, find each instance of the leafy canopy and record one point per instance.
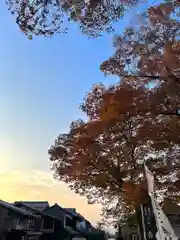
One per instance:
(47, 17)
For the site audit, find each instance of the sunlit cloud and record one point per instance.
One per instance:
(39, 185)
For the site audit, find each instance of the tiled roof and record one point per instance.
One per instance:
(39, 205)
(14, 208)
(30, 209)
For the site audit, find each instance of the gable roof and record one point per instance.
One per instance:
(58, 212)
(31, 209)
(15, 209)
(55, 211)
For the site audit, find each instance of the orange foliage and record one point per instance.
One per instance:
(135, 194)
(103, 157)
(152, 52)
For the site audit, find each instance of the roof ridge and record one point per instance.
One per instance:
(32, 208)
(34, 201)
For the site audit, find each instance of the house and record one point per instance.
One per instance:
(3, 215)
(45, 223)
(84, 226)
(73, 224)
(32, 221)
(38, 221)
(58, 222)
(17, 223)
(64, 222)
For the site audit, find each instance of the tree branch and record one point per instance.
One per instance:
(149, 76)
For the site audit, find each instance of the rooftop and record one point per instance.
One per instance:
(15, 209)
(38, 205)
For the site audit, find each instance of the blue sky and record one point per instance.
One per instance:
(42, 83)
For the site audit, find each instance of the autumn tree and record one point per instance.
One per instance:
(129, 123)
(149, 56)
(89, 156)
(103, 158)
(46, 17)
(150, 51)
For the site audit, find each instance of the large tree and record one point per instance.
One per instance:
(128, 123)
(102, 158)
(46, 17)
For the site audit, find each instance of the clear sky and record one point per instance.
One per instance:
(42, 83)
